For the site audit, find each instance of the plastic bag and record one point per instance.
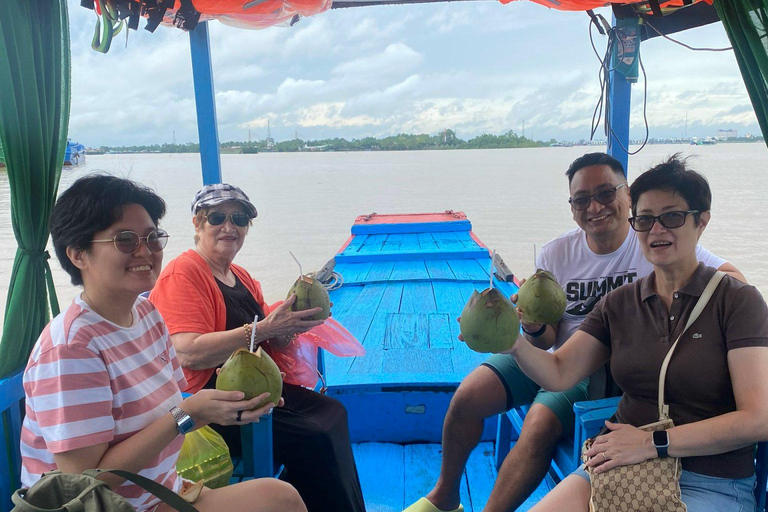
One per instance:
(299, 359)
(205, 456)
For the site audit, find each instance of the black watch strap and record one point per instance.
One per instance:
(661, 442)
(535, 334)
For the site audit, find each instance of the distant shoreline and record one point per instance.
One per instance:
(231, 150)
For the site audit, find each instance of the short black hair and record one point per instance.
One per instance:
(92, 204)
(673, 175)
(591, 159)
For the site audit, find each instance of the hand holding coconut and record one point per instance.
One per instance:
(225, 407)
(283, 321)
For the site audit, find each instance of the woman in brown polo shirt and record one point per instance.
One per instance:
(716, 385)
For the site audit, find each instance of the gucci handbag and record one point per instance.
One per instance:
(652, 485)
(69, 492)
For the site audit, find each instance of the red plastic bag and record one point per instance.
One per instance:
(299, 359)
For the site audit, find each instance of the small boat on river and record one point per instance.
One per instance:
(75, 154)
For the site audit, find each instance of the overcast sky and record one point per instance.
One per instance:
(473, 67)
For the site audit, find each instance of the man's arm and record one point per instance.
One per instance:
(732, 271)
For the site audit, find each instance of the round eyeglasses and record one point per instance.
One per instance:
(218, 218)
(605, 196)
(128, 242)
(669, 220)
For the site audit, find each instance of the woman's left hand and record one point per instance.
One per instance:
(622, 446)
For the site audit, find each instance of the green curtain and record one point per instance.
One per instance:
(34, 114)
(746, 22)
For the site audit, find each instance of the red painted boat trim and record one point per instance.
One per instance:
(479, 242)
(407, 218)
(344, 246)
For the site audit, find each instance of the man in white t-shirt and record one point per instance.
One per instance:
(588, 262)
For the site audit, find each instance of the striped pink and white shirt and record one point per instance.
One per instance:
(89, 381)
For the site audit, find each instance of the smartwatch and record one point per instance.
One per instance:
(661, 442)
(535, 334)
(184, 422)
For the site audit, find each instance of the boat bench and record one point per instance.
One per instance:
(589, 418)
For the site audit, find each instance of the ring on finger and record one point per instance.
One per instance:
(601, 453)
(239, 416)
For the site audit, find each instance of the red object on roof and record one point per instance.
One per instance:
(585, 5)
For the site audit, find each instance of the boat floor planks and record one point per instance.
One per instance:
(404, 311)
(404, 287)
(393, 476)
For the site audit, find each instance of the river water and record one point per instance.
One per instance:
(515, 198)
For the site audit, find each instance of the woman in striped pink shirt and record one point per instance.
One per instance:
(102, 383)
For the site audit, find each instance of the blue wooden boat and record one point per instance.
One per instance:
(406, 279)
(75, 153)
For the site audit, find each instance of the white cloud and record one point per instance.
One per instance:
(477, 67)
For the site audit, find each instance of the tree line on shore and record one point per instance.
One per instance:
(401, 142)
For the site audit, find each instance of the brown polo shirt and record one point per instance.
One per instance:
(634, 324)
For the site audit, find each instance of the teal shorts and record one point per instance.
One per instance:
(523, 391)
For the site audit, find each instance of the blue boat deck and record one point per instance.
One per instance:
(405, 282)
(393, 476)
(404, 287)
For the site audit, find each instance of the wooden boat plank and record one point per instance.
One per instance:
(373, 243)
(355, 244)
(412, 269)
(380, 271)
(381, 468)
(410, 243)
(417, 361)
(412, 227)
(451, 241)
(481, 475)
(418, 297)
(371, 363)
(422, 467)
(440, 335)
(470, 269)
(343, 298)
(394, 242)
(406, 331)
(427, 242)
(412, 253)
(355, 272)
(439, 269)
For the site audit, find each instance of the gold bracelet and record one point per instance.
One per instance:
(248, 328)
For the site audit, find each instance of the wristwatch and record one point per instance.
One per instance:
(661, 442)
(184, 422)
(535, 334)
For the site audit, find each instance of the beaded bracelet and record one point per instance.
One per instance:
(248, 328)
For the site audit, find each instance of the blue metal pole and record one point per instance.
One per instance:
(205, 101)
(620, 95)
(623, 65)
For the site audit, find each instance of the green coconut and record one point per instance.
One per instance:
(310, 293)
(253, 373)
(489, 322)
(541, 299)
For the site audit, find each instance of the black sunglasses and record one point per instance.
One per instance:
(218, 218)
(128, 242)
(669, 220)
(605, 196)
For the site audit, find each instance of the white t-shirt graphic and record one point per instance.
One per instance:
(586, 276)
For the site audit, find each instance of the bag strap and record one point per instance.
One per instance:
(166, 495)
(698, 308)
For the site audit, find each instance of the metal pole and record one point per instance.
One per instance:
(205, 102)
(619, 103)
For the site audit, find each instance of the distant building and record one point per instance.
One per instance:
(727, 134)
